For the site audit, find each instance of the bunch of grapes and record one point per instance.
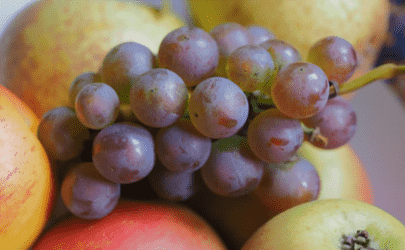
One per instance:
(233, 105)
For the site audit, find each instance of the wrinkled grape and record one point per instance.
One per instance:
(124, 62)
(62, 134)
(181, 148)
(275, 137)
(87, 194)
(286, 185)
(189, 52)
(97, 105)
(337, 122)
(218, 108)
(158, 98)
(232, 169)
(300, 90)
(124, 152)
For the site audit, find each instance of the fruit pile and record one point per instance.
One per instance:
(235, 103)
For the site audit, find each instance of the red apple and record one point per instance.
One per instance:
(134, 225)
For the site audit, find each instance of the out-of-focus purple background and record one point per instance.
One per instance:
(380, 137)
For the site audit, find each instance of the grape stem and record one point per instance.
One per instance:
(314, 134)
(385, 71)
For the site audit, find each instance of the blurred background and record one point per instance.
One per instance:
(380, 136)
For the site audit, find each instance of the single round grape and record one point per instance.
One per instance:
(158, 98)
(189, 52)
(87, 194)
(249, 67)
(62, 134)
(124, 62)
(124, 152)
(286, 185)
(181, 148)
(300, 90)
(336, 57)
(218, 108)
(79, 82)
(260, 34)
(174, 186)
(282, 52)
(97, 105)
(229, 37)
(337, 122)
(232, 169)
(275, 137)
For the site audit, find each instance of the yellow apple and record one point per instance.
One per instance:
(52, 41)
(323, 224)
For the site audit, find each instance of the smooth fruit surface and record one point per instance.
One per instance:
(364, 23)
(321, 224)
(27, 188)
(134, 225)
(341, 172)
(51, 42)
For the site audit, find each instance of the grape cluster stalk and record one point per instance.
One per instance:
(228, 109)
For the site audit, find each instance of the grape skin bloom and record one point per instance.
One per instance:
(218, 108)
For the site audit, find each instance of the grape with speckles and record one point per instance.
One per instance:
(189, 52)
(337, 122)
(300, 90)
(218, 108)
(158, 98)
(335, 56)
(79, 82)
(286, 185)
(229, 37)
(62, 134)
(124, 152)
(181, 148)
(232, 169)
(275, 137)
(97, 105)
(125, 62)
(87, 194)
(249, 67)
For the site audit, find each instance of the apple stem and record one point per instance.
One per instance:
(385, 71)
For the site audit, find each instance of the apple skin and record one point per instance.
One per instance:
(51, 42)
(27, 183)
(134, 225)
(320, 225)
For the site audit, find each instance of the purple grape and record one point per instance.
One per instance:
(337, 122)
(249, 67)
(229, 37)
(97, 105)
(282, 52)
(174, 186)
(275, 137)
(123, 63)
(232, 170)
(181, 148)
(260, 34)
(62, 134)
(189, 52)
(79, 82)
(218, 108)
(300, 90)
(286, 185)
(87, 194)
(124, 152)
(158, 98)
(335, 56)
